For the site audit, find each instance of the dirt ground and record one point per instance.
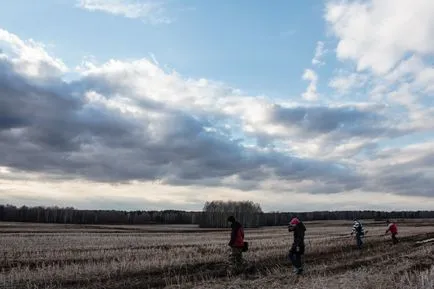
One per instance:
(73, 256)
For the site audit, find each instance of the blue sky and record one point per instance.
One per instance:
(171, 103)
(266, 47)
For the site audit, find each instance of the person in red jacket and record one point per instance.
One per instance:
(236, 243)
(393, 229)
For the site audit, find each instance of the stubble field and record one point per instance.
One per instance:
(73, 256)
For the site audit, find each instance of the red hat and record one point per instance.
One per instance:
(294, 221)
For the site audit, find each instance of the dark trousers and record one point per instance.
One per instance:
(394, 239)
(359, 241)
(236, 258)
(296, 257)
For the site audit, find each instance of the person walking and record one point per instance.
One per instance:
(236, 243)
(297, 249)
(360, 233)
(393, 229)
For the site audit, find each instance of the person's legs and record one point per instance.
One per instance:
(359, 241)
(296, 258)
(239, 259)
(236, 258)
(394, 239)
(299, 261)
(291, 256)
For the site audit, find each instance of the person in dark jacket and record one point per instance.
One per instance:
(297, 249)
(236, 243)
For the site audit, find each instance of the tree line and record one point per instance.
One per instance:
(214, 214)
(9, 213)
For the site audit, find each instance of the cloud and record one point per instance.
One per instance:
(149, 11)
(89, 195)
(390, 49)
(344, 83)
(387, 166)
(132, 123)
(143, 126)
(319, 52)
(29, 57)
(311, 93)
(337, 132)
(391, 54)
(314, 121)
(377, 34)
(425, 80)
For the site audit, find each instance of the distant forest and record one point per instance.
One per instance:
(214, 214)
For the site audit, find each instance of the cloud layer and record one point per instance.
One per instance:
(95, 128)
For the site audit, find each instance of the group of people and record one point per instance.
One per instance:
(296, 252)
(359, 232)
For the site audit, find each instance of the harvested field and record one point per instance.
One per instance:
(73, 256)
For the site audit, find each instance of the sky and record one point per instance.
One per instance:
(166, 104)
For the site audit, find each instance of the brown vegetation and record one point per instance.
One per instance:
(73, 256)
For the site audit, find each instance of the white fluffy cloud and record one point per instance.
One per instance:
(150, 11)
(377, 34)
(390, 43)
(30, 57)
(311, 93)
(345, 82)
(319, 53)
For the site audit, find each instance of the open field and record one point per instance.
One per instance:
(73, 256)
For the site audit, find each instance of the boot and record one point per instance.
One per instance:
(299, 271)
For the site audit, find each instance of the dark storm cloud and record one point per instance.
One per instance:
(345, 121)
(414, 176)
(48, 128)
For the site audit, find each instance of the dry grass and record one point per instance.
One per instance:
(72, 256)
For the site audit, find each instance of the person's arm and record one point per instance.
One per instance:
(233, 235)
(388, 229)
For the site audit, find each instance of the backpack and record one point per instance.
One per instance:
(359, 229)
